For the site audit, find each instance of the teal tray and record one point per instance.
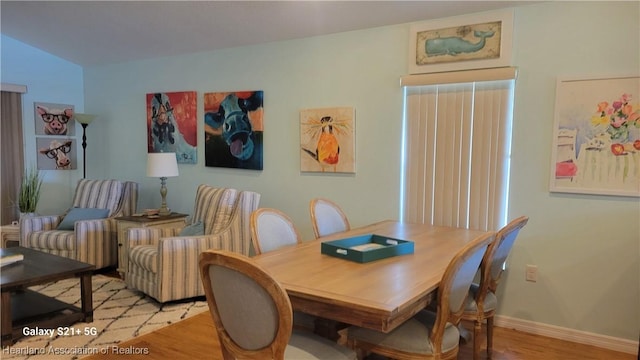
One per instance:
(366, 248)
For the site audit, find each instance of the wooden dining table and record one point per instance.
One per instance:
(378, 295)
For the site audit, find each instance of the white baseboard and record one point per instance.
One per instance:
(577, 336)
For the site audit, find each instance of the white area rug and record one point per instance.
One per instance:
(119, 314)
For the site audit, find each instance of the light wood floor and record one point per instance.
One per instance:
(195, 338)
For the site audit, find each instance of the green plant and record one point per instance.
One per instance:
(29, 190)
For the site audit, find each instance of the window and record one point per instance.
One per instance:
(456, 151)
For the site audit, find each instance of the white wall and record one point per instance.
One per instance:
(52, 80)
(359, 69)
(586, 247)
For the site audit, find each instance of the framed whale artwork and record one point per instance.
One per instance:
(466, 42)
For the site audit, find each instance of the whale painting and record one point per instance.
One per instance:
(455, 45)
(461, 43)
(479, 41)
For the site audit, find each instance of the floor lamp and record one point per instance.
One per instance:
(84, 120)
(162, 165)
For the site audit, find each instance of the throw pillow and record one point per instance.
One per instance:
(76, 214)
(197, 228)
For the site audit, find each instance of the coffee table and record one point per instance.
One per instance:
(22, 307)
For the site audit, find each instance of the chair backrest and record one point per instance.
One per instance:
(327, 217)
(129, 202)
(271, 229)
(101, 194)
(251, 311)
(492, 265)
(214, 207)
(455, 284)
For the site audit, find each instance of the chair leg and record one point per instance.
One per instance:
(477, 333)
(489, 336)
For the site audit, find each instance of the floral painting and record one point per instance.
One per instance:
(233, 125)
(327, 140)
(596, 146)
(172, 124)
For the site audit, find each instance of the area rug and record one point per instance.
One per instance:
(119, 314)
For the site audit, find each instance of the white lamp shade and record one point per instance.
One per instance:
(162, 165)
(84, 118)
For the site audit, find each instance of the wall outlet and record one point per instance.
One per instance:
(532, 273)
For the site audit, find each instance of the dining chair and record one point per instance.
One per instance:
(481, 302)
(270, 230)
(327, 217)
(429, 335)
(252, 313)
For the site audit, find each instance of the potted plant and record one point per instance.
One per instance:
(29, 191)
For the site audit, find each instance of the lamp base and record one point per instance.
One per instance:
(164, 210)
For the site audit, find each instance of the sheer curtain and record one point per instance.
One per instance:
(457, 140)
(12, 159)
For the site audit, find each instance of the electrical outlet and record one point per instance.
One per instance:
(532, 273)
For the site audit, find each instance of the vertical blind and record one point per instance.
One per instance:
(457, 140)
(12, 159)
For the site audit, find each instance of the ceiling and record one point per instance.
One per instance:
(91, 33)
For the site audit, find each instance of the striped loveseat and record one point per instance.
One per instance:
(163, 262)
(90, 241)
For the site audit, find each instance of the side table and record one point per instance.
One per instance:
(10, 235)
(142, 221)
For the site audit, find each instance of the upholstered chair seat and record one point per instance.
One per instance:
(163, 262)
(470, 304)
(78, 234)
(413, 336)
(302, 346)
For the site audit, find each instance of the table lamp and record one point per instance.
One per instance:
(84, 120)
(162, 165)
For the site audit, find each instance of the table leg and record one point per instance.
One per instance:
(7, 326)
(86, 294)
(329, 328)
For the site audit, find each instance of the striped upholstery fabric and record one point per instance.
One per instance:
(100, 194)
(129, 204)
(91, 241)
(146, 257)
(164, 265)
(214, 207)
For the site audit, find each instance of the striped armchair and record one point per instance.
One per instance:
(90, 241)
(164, 265)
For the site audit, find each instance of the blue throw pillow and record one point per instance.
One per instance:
(197, 228)
(76, 214)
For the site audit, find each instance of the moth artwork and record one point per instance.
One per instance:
(172, 124)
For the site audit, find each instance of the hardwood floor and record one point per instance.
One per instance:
(509, 344)
(195, 338)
